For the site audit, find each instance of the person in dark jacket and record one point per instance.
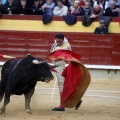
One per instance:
(30, 3)
(87, 10)
(36, 9)
(22, 9)
(10, 7)
(102, 29)
(66, 3)
(1, 8)
(112, 10)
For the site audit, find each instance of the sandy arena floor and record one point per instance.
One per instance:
(100, 102)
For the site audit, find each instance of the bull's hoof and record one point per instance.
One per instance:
(28, 111)
(2, 111)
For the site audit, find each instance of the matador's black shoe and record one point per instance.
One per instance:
(58, 109)
(78, 105)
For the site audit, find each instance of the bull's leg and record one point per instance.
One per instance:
(28, 96)
(6, 101)
(1, 91)
(1, 96)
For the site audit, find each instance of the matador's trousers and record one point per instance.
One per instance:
(59, 70)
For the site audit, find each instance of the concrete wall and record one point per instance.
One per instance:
(100, 74)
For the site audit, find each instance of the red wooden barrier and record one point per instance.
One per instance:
(95, 49)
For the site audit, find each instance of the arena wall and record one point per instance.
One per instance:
(20, 35)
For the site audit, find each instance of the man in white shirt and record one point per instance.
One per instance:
(60, 9)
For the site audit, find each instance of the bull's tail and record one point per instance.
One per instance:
(1, 91)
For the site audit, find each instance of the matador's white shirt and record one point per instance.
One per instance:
(65, 46)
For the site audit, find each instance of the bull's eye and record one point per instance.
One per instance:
(42, 69)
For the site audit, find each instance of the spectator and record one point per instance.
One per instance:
(42, 2)
(30, 3)
(1, 8)
(66, 3)
(3, 2)
(10, 7)
(87, 10)
(71, 2)
(96, 11)
(75, 8)
(102, 29)
(48, 7)
(112, 10)
(60, 9)
(117, 3)
(91, 2)
(22, 8)
(103, 4)
(17, 1)
(36, 8)
(81, 3)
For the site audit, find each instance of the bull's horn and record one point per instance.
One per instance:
(53, 66)
(37, 62)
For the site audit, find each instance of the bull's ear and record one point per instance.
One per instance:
(37, 62)
(52, 65)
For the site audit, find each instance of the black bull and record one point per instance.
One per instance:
(20, 77)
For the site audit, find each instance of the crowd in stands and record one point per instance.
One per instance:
(94, 8)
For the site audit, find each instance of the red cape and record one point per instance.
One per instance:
(65, 55)
(72, 72)
(72, 75)
(1, 55)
